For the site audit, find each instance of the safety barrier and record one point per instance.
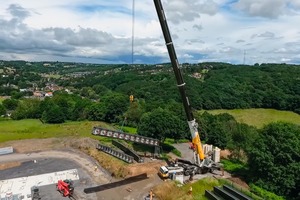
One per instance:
(6, 150)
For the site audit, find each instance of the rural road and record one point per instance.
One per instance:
(186, 152)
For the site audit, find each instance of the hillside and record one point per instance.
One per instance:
(209, 85)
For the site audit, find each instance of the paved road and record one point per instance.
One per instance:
(186, 152)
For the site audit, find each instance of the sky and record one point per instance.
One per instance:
(105, 32)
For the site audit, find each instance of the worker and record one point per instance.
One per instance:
(95, 168)
(191, 177)
(190, 190)
(151, 194)
(222, 170)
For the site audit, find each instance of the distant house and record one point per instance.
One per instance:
(53, 87)
(23, 90)
(48, 94)
(46, 64)
(38, 94)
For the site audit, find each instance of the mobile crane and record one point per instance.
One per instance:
(201, 163)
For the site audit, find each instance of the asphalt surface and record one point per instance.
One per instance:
(186, 152)
(35, 164)
(42, 166)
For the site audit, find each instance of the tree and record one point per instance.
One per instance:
(2, 110)
(10, 104)
(54, 115)
(216, 129)
(243, 137)
(27, 108)
(274, 159)
(160, 124)
(114, 105)
(134, 113)
(96, 112)
(100, 89)
(79, 111)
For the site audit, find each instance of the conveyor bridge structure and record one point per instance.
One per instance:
(115, 153)
(125, 136)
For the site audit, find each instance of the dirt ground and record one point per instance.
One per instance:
(76, 148)
(9, 165)
(71, 149)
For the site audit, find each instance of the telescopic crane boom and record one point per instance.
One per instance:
(198, 154)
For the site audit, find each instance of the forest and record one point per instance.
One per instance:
(270, 156)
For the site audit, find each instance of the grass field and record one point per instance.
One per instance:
(260, 117)
(33, 128)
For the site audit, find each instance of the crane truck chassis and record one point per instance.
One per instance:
(202, 163)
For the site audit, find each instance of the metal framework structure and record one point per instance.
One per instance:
(115, 153)
(125, 136)
(128, 151)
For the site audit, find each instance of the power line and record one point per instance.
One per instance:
(132, 31)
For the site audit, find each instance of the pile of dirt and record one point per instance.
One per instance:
(150, 168)
(9, 165)
(239, 182)
(30, 145)
(225, 153)
(80, 143)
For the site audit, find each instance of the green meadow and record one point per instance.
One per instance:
(259, 117)
(33, 128)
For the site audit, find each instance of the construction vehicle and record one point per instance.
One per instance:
(168, 171)
(201, 163)
(65, 187)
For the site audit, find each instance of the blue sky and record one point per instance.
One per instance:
(234, 31)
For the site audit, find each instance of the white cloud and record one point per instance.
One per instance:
(267, 8)
(202, 30)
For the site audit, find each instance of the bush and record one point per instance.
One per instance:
(264, 193)
(233, 165)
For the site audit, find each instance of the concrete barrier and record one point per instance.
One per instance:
(6, 150)
(236, 193)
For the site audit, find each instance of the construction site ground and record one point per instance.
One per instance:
(41, 156)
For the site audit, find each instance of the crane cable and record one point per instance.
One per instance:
(132, 31)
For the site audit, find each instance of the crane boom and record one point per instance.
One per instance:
(199, 154)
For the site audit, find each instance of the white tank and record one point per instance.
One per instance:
(207, 148)
(216, 155)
